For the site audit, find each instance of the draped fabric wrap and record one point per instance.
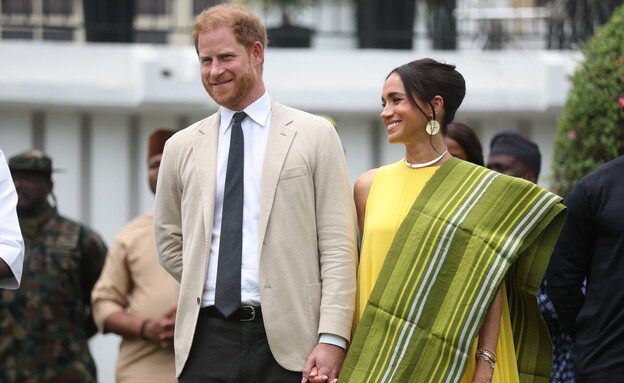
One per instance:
(469, 230)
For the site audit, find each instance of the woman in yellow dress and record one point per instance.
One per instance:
(419, 99)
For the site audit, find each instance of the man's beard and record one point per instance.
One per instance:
(233, 99)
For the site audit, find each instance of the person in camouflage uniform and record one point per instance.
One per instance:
(46, 323)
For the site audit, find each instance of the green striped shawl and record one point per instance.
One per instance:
(469, 229)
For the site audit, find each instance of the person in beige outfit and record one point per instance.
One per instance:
(136, 298)
(286, 242)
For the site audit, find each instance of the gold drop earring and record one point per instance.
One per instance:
(433, 127)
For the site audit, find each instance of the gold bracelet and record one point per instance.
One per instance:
(487, 355)
(490, 354)
(487, 359)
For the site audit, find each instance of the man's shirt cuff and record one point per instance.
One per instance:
(333, 339)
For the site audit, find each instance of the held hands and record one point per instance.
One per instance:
(324, 364)
(161, 329)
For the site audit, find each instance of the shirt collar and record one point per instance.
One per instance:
(258, 111)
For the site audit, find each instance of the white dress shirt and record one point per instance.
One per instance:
(255, 132)
(11, 241)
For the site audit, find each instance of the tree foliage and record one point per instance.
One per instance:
(591, 126)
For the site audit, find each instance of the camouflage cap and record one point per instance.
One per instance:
(32, 160)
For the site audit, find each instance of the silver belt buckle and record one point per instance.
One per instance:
(253, 314)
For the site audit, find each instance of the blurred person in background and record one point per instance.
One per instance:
(587, 273)
(463, 143)
(513, 154)
(591, 249)
(47, 322)
(135, 297)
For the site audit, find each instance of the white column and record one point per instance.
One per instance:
(109, 174)
(15, 131)
(63, 144)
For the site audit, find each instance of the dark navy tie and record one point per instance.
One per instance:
(228, 289)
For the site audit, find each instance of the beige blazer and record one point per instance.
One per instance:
(307, 231)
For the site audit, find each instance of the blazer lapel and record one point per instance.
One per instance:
(205, 148)
(278, 143)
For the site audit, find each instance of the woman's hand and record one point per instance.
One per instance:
(483, 372)
(488, 340)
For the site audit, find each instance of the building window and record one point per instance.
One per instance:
(151, 7)
(200, 5)
(57, 7)
(151, 37)
(9, 34)
(58, 34)
(17, 7)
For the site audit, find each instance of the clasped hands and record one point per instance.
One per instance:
(161, 329)
(324, 363)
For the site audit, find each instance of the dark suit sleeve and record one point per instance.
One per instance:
(571, 259)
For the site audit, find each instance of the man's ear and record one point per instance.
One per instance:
(257, 51)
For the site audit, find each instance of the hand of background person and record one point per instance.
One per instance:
(161, 329)
(5, 270)
(323, 364)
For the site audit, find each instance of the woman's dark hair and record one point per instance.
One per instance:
(467, 139)
(427, 78)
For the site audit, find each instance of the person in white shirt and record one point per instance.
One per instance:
(11, 241)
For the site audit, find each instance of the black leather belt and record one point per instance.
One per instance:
(244, 314)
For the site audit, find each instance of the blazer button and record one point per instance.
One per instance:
(198, 301)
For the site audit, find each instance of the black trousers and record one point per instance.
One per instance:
(227, 351)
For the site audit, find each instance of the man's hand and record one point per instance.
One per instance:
(161, 329)
(5, 270)
(324, 364)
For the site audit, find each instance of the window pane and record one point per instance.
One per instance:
(151, 7)
(17, 6)
(57, 7)
(17, 35)
(109, 21)
(151, 37)
(58, 34)
(200, 5)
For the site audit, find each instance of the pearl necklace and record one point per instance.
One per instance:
(416, 166)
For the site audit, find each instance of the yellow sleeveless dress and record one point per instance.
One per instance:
(392, 194)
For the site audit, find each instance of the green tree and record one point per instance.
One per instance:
(591, 126)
